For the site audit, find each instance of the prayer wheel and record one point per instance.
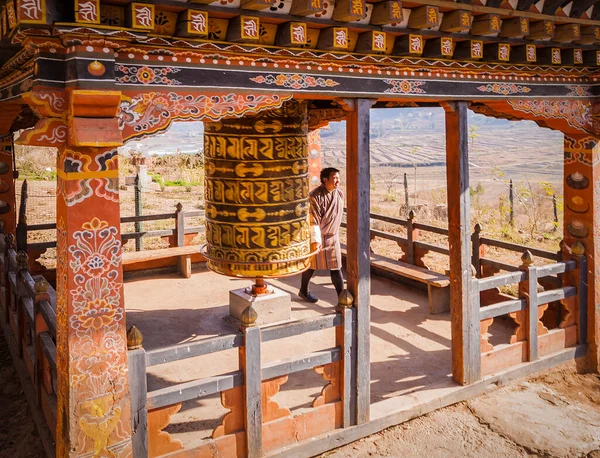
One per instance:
(256, 193)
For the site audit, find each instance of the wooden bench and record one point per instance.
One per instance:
(438, 285)
(183, 257)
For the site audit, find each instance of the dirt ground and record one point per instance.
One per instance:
(554, 415)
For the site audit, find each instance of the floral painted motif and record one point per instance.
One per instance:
(295, 81)
(147, 75)
(579, 91)
(405, 86)
(576, 113)
(89, 286)
(76, 190)
(504, 88)
(152, 112)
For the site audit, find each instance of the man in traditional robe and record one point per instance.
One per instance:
(326, 210)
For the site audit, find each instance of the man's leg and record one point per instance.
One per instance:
(338, 280)
(303, 293)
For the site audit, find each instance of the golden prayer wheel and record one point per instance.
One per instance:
(256, 193)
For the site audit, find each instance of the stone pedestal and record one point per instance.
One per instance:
(272, 307)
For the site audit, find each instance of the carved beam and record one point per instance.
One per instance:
(525, 54)
(590, 34)
(333, 39)
(408, 45)
(549, 56)
(541, 30)
(566, 33)
(257, 4)
(497, 52)
(349, 10)
(306, 7)
(424, 17)
(385, 13)
(244, 29)
(591, 58)
(140, 16)
(439, 47)
(192, 23)
(469, 50)
(371, 42)
(291, 34)
(486, 25)
(517, 27)
(456, 21)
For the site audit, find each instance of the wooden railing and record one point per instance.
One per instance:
(531, 339)
(177, 236)
(248, 386)
(29, 310)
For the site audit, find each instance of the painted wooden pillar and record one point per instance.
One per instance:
(358, 238)
(582, 223)
(314, 158)
(93, 411)
(464, 314)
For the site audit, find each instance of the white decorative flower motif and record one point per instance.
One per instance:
(87, 11)
(341, 38)
(198, 22)
(143, 15)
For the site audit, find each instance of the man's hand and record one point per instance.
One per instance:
(315, 247)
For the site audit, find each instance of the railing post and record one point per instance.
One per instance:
(22, 265)
(345, 339)
(8, 242)
(477, 248)
(136, 356)
(250, 363)
(410, 238)
(578, 254)
(139, 242)
(180, 225)
(41, 294)
(528, 291)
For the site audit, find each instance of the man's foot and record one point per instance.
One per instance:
(308, 297)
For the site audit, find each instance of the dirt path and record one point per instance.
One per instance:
(555, 415)
(18, 436)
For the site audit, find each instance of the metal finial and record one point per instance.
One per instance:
(411, 214)
(179, 206)
(478, 228)
(249, 317)
(40, 286)
(22, 260)
(345, 299)
(578, 248)
(527, 258)
(134, 338)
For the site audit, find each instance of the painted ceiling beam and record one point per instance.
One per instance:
(581, 6)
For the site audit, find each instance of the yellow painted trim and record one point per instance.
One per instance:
(69, 176)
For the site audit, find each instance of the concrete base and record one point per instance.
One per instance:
(271, 308)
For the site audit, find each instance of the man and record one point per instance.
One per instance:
(326, 209)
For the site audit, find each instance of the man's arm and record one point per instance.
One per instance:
(316, 240)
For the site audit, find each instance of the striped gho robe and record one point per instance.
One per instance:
(326, 210)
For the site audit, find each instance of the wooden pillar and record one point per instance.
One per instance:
(93, 410)
(582, 223)
(358, 238)
(464, 314)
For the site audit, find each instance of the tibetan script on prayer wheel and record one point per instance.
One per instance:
(256, 193)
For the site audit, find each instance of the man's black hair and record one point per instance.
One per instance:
(327, 172)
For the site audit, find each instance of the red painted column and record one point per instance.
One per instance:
(93, 391)
(582, 223)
